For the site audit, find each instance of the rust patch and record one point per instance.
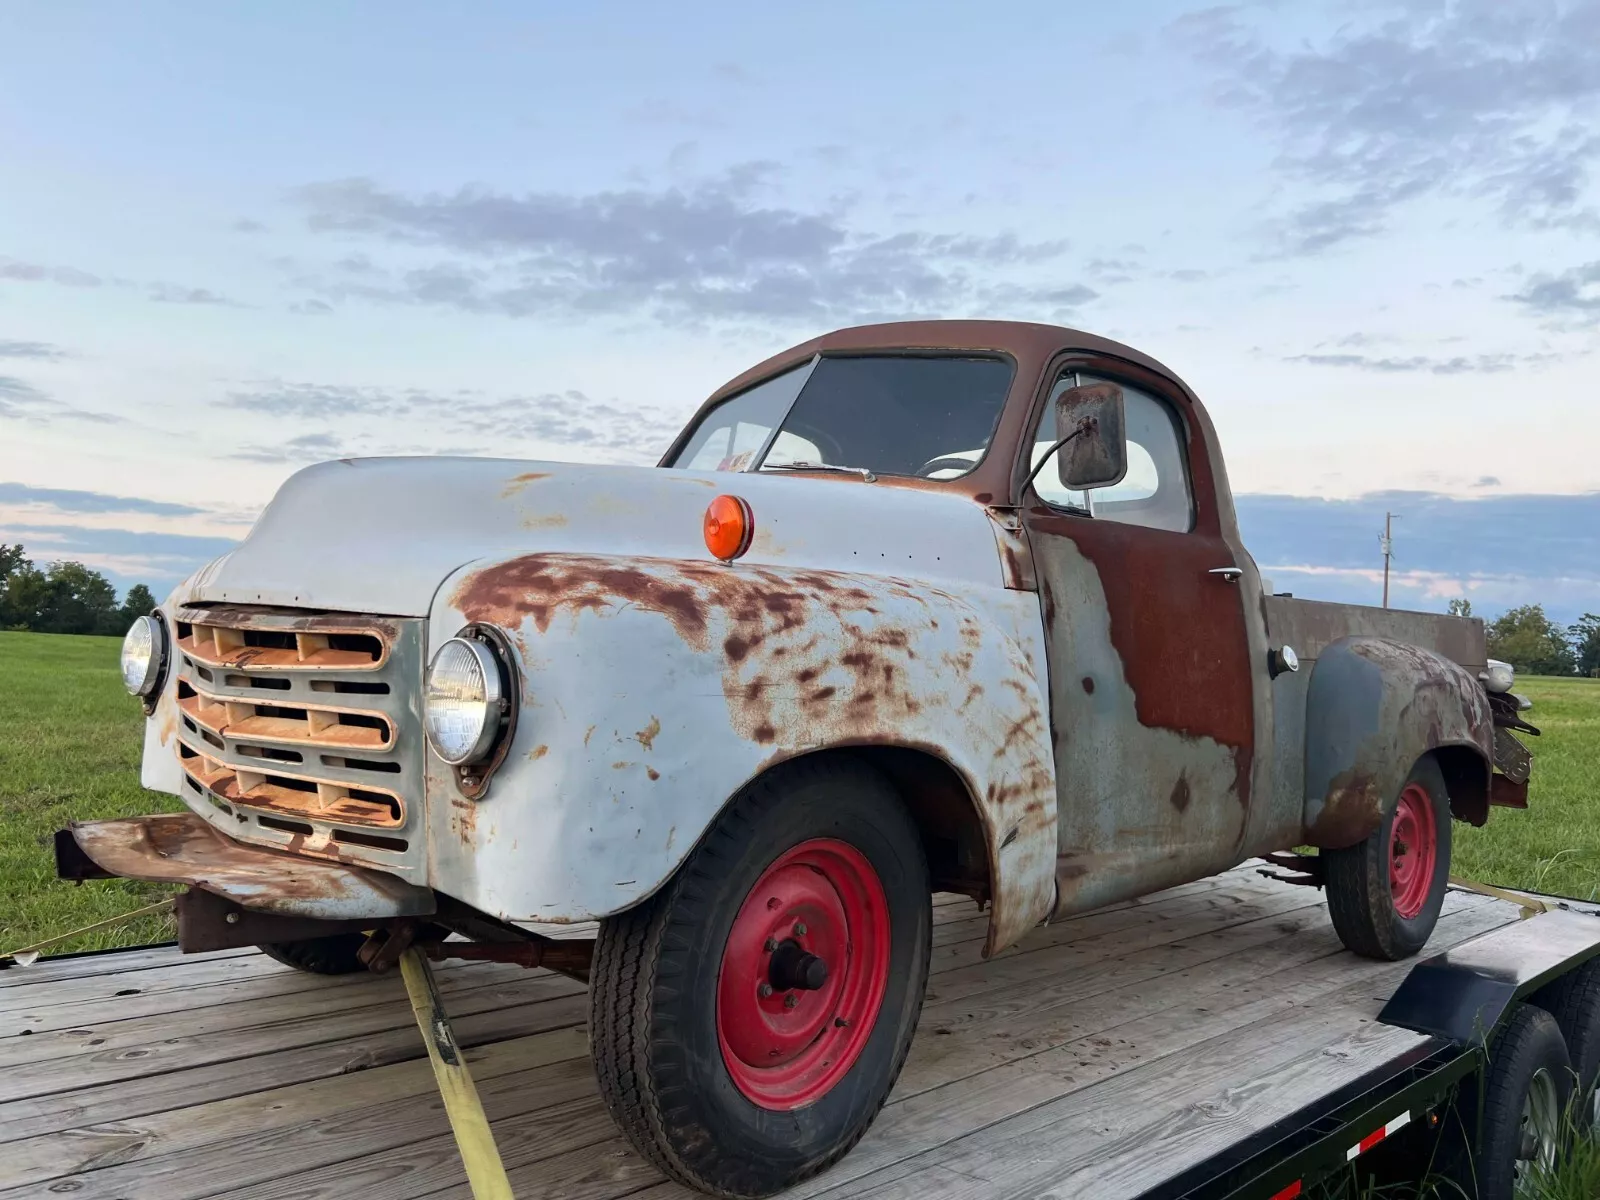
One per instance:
(538, 752)
(538, 586)
(1352, 810)
(652, 773)
(517, 483)
(646, 737)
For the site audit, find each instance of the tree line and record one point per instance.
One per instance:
(64, 597)
(1535, 645)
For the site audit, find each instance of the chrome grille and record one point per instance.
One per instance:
(301, 727)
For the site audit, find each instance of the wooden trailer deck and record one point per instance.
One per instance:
(1107, 1053)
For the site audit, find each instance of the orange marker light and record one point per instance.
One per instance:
(729, 527)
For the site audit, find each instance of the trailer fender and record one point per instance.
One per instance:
(1373, 707)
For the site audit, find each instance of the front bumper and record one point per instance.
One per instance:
(183, 848)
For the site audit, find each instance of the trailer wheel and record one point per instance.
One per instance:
(748, 1021)
(1574, 1001)
(1384, 894)
(1525, 1089)
(332, 955)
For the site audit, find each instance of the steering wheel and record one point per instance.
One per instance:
(944, 463)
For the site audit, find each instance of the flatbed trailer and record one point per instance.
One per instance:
(1210, 1040)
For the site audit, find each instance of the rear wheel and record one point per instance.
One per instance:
(1384, 894)
(748, 1021)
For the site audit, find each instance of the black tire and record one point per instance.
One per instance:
(655, 1005)
(332, 955)
(1362, 901)
(1574, 1001)
(1484, 1165)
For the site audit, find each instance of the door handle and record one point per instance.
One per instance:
(1230, 574)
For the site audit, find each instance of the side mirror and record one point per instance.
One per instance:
(1097, 455)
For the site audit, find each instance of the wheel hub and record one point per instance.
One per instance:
(803, 974)
(1413, 850)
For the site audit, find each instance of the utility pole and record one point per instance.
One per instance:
(1387, 541)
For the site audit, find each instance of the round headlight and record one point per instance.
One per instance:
(462, 713)
(143, 650)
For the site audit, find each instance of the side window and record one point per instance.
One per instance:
(1155, 493)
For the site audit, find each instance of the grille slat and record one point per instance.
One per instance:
(249, 720)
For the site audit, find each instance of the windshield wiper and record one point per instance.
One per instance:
(802, 465)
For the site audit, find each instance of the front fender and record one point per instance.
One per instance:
(1373, 707)
(655, 688)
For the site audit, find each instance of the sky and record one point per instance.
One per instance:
(235, 240)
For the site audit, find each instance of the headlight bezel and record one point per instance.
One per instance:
(149, 686)
(502, 687)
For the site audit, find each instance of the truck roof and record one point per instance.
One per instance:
(1031, 345)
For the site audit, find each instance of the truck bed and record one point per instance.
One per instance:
(1106, 1055)
(1309, 625)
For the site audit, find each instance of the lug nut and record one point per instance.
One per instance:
(764, 990)
(772, 944)
(791, 1000)
(799, 929)
(232, 918)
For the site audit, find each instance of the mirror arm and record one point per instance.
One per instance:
(1060, 442)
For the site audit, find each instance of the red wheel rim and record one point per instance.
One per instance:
(786, 1045)
(1413, 850)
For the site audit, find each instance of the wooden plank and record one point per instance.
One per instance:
(125, 1098)
(373, 998)
(321, 992)
(196, 1152)
(51, 970)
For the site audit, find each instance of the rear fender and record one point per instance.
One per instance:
(1373, 708)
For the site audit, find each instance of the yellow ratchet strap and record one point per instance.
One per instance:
(485, 1173)
(1531, 906)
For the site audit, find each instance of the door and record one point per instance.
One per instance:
(1151, 687)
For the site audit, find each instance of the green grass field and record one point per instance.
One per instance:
(70, 740)
(69, 750)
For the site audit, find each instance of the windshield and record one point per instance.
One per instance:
(927, 416)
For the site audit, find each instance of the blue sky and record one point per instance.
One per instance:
(234, 240)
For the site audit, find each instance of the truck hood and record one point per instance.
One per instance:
(380, 535)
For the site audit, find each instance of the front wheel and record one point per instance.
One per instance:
(1384, 894)
(748, 1021)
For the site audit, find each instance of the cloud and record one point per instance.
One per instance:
(1572, 293)
(22, 272)
(64, 500)
(41, 351)
(307, 448)
(245, 225)
(631, 432)
(21, 401)
(712, 251)
(1477, 364)
(172, 293)
(1469, 98)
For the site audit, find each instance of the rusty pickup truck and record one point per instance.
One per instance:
(935, 606)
